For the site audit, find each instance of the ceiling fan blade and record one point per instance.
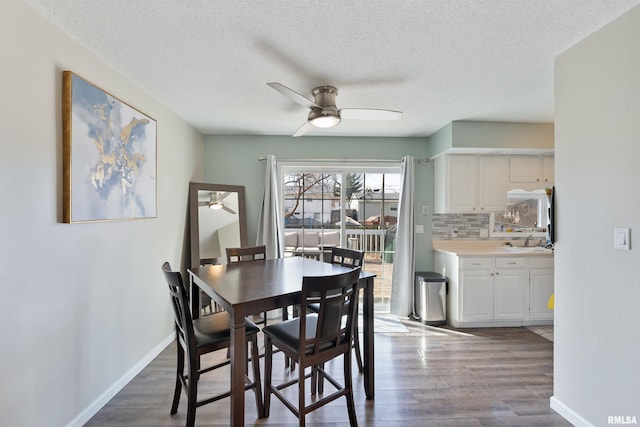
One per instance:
(369, 114)
(203, 203)
(293, 95)
(231, 211)
(306, 127)
(223, 195)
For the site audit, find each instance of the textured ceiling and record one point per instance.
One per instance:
(435, 60)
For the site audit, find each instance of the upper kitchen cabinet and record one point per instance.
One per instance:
(531, 172)
(470, 183)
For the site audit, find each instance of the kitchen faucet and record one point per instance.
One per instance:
(526, 242)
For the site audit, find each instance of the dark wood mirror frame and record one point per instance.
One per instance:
(194, 225)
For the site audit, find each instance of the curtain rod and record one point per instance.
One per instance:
(426, 160)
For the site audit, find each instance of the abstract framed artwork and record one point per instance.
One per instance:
(109, 156)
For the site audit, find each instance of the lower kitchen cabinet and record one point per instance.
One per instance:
(510, 289)
(541, 288)
(477, 298)
(497, 291)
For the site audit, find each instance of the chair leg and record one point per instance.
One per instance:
(285, 316)
(268, 356)
(314, 380)
(302, 412)
(320, 380)
(192, 393)
(356, 345)
(348, 384)
(255, 362)
(246, 361)
(179, 373)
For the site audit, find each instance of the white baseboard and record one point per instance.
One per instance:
(99, 403)
(568, 414)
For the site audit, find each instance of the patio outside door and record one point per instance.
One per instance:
(351, 207)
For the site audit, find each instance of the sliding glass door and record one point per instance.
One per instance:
(354, 207)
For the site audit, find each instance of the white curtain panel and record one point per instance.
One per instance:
(269, 232)
(403, 264)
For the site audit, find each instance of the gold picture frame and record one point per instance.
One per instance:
(109, 156)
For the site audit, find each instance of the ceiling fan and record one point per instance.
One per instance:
(215, 202)
(323, 111)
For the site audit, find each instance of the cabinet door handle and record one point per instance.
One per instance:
(497, 273)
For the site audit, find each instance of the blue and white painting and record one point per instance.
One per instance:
(113, 157)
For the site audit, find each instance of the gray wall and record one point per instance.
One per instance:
(83, 307)
(597, 343)
(234, 160)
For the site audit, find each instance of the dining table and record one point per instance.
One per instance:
(248, 288)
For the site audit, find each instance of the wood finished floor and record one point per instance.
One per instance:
(426, 376)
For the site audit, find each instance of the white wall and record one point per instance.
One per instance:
(82, 306)
(597, 316)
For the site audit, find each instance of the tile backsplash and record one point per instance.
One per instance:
(469, 226)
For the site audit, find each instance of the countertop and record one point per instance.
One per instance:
(487, 248)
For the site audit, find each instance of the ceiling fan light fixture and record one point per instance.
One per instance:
(325, 121)
(323, 111)
(215, 205)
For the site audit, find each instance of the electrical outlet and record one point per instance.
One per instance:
(454, 232)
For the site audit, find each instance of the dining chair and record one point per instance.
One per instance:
(313, 339)
(252, 254)
(198, 337)
(347, 258)
(248, 253)
(351, 258)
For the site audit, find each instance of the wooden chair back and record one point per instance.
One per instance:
(347, 257)
(250, 253)
(337, 300)
(181, 311)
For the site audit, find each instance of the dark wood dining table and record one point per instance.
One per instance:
(243, 289)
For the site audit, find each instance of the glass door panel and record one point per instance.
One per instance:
(351, 208)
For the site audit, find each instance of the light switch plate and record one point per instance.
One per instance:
(621, 238)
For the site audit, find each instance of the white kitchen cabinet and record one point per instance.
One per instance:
(548, 170)
(534, 172)
(461, 183)
(541, 287)
(492, 183)
(476, 289)
(510, 290)
(470, 183)
(497, 290)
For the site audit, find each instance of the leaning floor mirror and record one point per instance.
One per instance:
(217, 220)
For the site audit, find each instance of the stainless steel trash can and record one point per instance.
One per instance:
(430, 297)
